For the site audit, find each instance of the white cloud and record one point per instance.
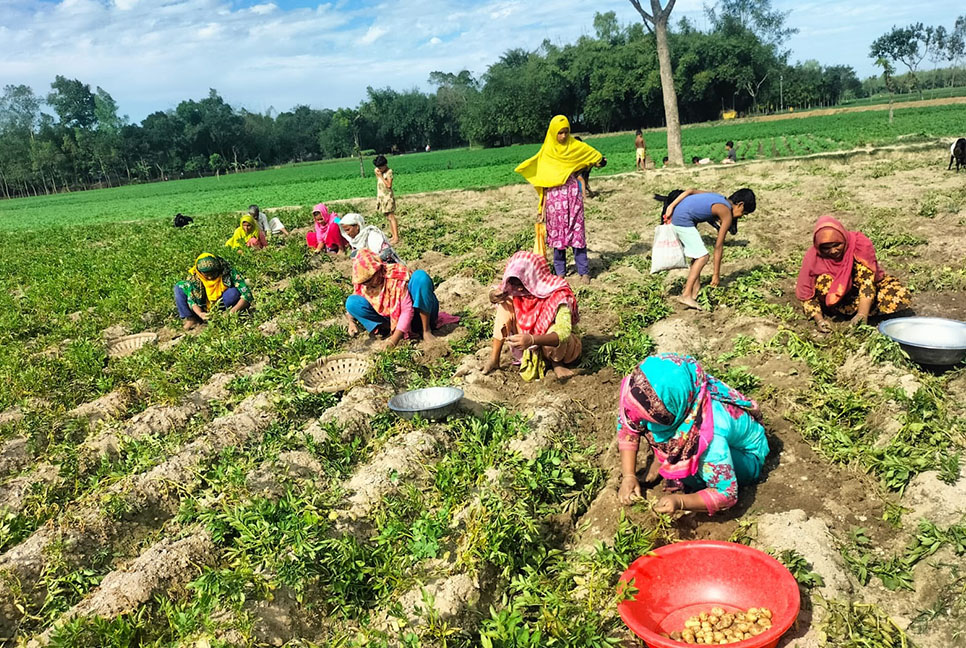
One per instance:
(373, 34)
(264, 9)
(257, 54)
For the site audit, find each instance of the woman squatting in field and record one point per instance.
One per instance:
(841, 276)
(326, 235)
(536, 312)
(361, 236)
(706, 437)
(247, 235)
(211, 283)
(389, 300)
(553, 173)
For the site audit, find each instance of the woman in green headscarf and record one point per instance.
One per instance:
(247, 234)
(211, 282)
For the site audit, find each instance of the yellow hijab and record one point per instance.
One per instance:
(240, 238)
(213, 287)
(555, 162)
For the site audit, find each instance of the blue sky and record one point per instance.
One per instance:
(275, 54)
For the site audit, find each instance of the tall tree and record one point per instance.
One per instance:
(757, 16)
(656, 22)
(907, 45)
(73, 102)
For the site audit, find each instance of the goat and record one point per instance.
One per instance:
(957, 152)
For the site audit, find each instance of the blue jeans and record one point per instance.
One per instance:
(422, 292)
(228, 299)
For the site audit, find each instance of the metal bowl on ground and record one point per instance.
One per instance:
(335, 373)
(125, 346)
(928, 340)
(432, 403)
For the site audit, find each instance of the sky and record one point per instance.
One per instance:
(273, 55)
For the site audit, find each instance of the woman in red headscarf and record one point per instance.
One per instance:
(536, 311)
(841, 276)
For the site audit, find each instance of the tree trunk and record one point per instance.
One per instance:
(675, 152)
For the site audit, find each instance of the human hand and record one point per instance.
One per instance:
(715, 279)
(859, 319)
(630, 490)
(521, 340)
(823, 326)
(497, 296)
(667, 504)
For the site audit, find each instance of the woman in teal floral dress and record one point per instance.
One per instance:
(706, 437)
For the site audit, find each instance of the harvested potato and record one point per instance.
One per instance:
(717, 627)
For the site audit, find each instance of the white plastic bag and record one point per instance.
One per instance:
(667, 252)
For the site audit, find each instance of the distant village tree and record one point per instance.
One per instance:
(907, 45)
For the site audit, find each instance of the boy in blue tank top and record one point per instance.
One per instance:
(693, 207)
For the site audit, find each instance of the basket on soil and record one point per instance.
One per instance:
(125, 346)
(335, 373)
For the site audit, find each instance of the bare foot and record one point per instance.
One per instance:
(690, 302)
(190, 323)
(585, 280)
(562, 372)
(653, 473)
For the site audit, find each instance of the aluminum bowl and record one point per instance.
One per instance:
(432, 403)
(928, 340)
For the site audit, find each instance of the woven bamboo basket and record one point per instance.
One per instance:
(125, 346)
(335, 373)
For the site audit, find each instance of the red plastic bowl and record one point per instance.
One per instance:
(681, 580)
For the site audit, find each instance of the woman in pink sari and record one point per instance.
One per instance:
(326, 235)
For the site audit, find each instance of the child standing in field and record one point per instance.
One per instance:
(385, 198)
(641, 149)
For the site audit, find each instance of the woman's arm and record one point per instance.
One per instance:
(202, 315)
(240, 305)
(404, 322)
(726, 217)
(630, 488)
(865, 280)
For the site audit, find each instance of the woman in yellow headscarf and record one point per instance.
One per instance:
(553, 173)
(247, 234)
(211, 282)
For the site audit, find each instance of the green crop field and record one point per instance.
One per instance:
(195, 494)
(307, 184)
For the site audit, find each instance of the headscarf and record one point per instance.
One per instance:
(361, 239)
(396, 282)
(555, 162)
(668, 400)
(858, 247)
(241, 238)
(536, 312)
(327, 218)
(203, 288)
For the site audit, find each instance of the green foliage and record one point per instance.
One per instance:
(800, 569)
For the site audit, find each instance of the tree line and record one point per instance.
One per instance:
(74, 137)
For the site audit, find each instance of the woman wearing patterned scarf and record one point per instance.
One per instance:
(387, 299)
(705, 436)
(536, 311)
(212, 282)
